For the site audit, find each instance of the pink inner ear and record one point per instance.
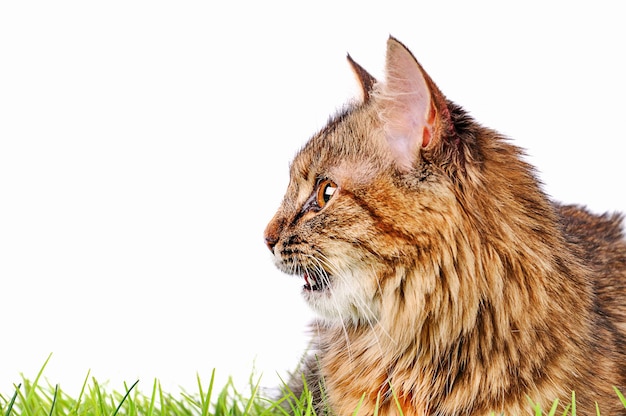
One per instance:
(406, 107)
(430, 122)
(426, 137)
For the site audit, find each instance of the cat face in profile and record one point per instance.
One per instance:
(365, 202)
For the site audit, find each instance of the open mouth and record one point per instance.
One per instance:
(315, 281)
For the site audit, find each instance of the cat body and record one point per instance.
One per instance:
(446, 281)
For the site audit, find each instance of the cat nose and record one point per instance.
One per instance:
(270, 242)
(272, 233)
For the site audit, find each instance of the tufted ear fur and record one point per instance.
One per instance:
(365, 79)
(409, 106)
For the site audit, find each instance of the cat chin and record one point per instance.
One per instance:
(343, 300)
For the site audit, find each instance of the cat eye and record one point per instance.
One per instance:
(325, 190)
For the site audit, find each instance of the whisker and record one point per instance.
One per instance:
(369, 316)
(324, 275)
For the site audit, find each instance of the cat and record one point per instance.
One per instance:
(445, 280)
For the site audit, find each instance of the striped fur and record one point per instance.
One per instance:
(447, 282)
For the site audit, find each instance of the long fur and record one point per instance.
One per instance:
(452, 286)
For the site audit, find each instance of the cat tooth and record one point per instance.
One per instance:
(307, 282)
(313, 282)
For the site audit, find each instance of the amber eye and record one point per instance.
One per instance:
(325, 191)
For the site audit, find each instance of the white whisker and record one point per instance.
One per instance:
(324, 275)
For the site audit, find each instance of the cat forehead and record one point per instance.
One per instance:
(349, 144)
(345, 154)
(343, 171)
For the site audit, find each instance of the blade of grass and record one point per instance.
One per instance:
(152, 398)
(98, 401)
(36, 381)
(359, 405)
(395, 397)
(293, 401)
(124, 398)
(201, 392)
(377, 404)
(54, 399)
(163, 405)
(25, 408)
(299, 406)
(621, 396)
(309, 404)
(555, 405)
(534, 406)
(569, 406)
(209, 394)
(80, 395)
(12, 402)
(30, 389)
(132, 406)
(537, 409)
(252, 399)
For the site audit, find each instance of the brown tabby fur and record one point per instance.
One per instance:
(452, 284)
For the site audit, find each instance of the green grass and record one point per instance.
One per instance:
(40, 398)
(33, 398)
(37, 397)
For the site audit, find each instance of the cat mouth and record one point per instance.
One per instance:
(315, 282)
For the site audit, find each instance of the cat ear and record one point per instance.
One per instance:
(365, 79)
(407, 105)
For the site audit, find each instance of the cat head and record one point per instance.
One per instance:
(372, 207)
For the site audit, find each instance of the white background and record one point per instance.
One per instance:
(145, 145)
